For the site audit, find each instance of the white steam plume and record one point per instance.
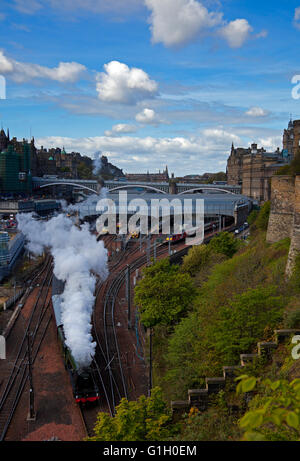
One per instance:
(97, 163)
(90, 202)
(76, 255)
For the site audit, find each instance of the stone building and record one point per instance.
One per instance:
(4, 140)
(66, 164)
(18, 147)
(15, 170)
(252, 168)
(149, 177)
(291, 139)
(54, 161)
(46, 163)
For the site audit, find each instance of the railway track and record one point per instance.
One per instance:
(108, 368)
(33, 331)
(108, 355)
(108, 360)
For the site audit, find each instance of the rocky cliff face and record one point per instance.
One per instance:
(109, 170)
(285, 215)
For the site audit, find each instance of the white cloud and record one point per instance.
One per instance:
(94, 6)
(21, 72)
(121, 128)
(21, 27)
(148, 117)
(129, 145)
(297, 18)
(183, 154)
(236, 32)
(120, 84)
(270, 143)
(177, 22)
(263, 34)
(220, 136)
(257, 112)
(28, 6)
(6, 65)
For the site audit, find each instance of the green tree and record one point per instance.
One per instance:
(163, 294)
(215, 424)
(197, 258)
(252, 217)
(262, 220)
(293, 169)
(146, 419)
(284, 170)
(274, 412)
(243, 321)
(295, 164)
(84, 171)
(225, 243)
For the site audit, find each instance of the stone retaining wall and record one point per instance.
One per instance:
(285, 215)
(295, 243)
(282, 208)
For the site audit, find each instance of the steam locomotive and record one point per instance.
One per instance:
(83, 382)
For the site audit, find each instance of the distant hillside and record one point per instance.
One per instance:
(108, 171)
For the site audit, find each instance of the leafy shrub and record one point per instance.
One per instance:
(295, 278)
(284, 170)
(197, 258)
(224, 243)
(191, 352)
(135, 421)
(200, 260)
(252, 217)
(293, 169)
(263, 217)
(163, 294)
(243, 322)
(213, 425)
(275, 411)
(292, 319)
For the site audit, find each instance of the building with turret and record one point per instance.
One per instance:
(291, 139)
(4, 140)
(21, 160)
(252, 168)
(149, 177)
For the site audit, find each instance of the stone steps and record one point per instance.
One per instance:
(200, 398)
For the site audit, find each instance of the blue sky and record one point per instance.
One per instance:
(150, 82)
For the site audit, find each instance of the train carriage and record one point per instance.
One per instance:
(190, 232)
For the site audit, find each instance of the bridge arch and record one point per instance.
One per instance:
(133, 186)
(188, 191)
(80, 186)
